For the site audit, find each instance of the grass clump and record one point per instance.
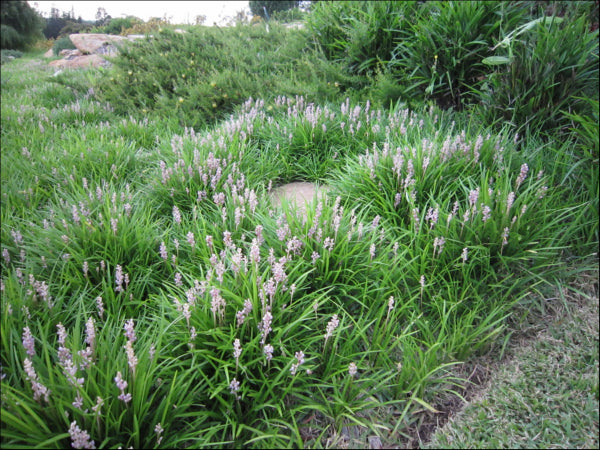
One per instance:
(551, 66)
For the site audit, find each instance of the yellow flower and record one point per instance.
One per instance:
(183, 75)
(130, 72)
(224, 95)
(213, 84)
(214, 105)
(180, 99)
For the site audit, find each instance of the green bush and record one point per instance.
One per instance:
(62, 43)
(9, 55)
(21, 25)
(9, 37)
(201, 75)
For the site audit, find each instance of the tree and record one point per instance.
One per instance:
(21, 25)
(54, 24)
(101, 17)
(258, 7)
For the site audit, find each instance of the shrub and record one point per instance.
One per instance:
(9, 37)
(201, 75)
(21, 25)
(9, 55)
(62, 43)
(74, 28)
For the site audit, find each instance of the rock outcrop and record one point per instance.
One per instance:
(91, 48)
(79, 62)
(97, 44)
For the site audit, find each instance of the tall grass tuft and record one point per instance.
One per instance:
(441, 58)
(548, 67)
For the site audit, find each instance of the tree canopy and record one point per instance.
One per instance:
(21, 25)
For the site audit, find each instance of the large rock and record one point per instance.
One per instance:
(99, 44)
(90, 49)
(298, 193)
(49, 53)
(79, 62)
(69, 53)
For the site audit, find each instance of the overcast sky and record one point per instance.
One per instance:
(178, 12)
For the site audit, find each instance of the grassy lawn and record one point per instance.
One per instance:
(543, 393)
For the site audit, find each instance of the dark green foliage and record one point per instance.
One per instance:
(289, 15)
(21, 25)
(64, 24)
(552, 67)
(361, 35)
(10, 38)
(447, 52)
(62, 44)
(442, 57)
(54, 25)
(9, 55)
(258, 7)
(74, 28)
(201, 75)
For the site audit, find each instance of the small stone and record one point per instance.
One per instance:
(298, 192)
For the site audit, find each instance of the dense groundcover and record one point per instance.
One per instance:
(153, 296)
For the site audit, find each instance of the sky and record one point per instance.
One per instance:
(178, 12)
